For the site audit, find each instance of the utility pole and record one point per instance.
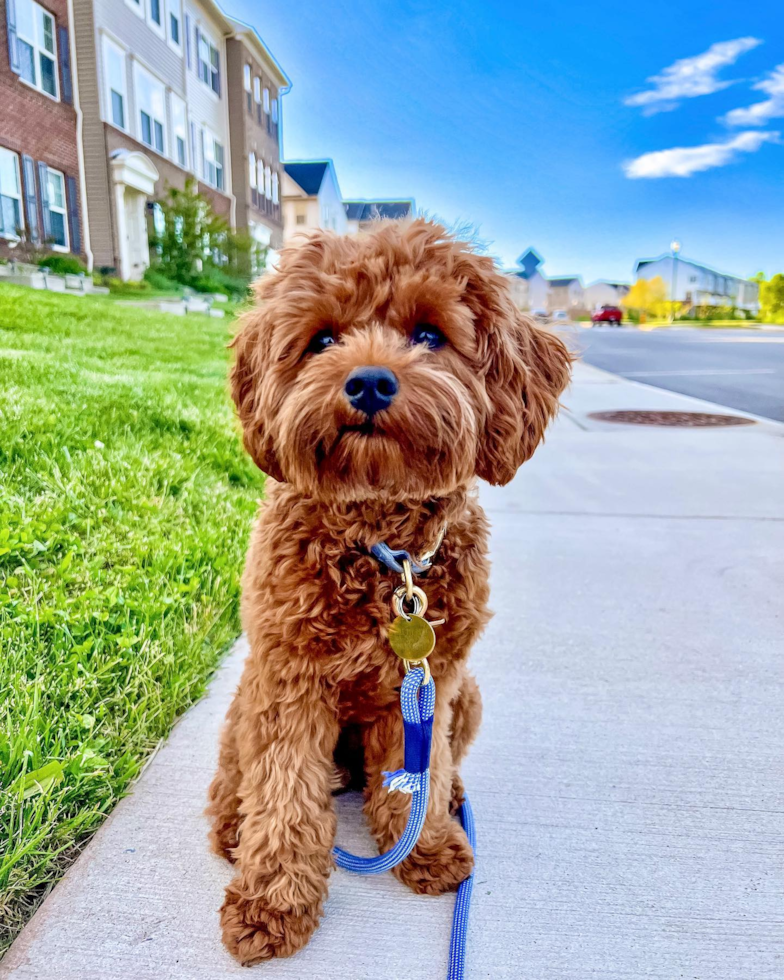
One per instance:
(675, 247)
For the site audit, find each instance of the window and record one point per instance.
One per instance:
(275, 110)
(266, 100)
(58, 213)
(275, 189)
(151, 102)
(213, 160)
(246, 77)
(137, 6)
(268, 183)
(209, 64)
(155, 12)
(10, 195)
(175, 19)
(260, 176)
(36, 45)
(179, 130)
(257, 89)
(114, 74)
(252, 170)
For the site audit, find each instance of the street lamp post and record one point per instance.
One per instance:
(675, 247)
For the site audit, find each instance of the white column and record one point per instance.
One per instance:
(122, 231)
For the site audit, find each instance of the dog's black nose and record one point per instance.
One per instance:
(370, 389)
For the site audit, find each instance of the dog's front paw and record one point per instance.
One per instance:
(431, 869)
(224, 837)
(252, 932)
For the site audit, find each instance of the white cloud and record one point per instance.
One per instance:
(691, 77)
(683, 161)
(760, 112)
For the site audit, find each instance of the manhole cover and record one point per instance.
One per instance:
(682, 419)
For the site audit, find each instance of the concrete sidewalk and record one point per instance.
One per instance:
(628, 778)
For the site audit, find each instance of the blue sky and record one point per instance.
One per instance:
(527, 120)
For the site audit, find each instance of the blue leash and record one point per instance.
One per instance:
(417, 702)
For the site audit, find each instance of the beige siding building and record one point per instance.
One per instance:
(151, 81)
(311, 198)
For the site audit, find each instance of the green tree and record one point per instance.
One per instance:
(193, 245)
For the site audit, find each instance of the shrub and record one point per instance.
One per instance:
(157, 280)
(118, 286)
(62, 265)
(216, 281)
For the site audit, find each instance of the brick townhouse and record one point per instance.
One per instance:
(256, 83)
(40, 182)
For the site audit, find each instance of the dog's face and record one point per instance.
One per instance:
(392, 364)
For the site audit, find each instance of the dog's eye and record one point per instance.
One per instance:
(426, 333)
(320, 342)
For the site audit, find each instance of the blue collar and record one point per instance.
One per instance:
(394, 559)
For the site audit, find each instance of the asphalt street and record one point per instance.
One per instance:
(742, 369)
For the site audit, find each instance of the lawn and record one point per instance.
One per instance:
(125, 505)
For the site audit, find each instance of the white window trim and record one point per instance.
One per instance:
(177, 11)
(63, 211)
(252, 170)
(138, 68)
(275, 188)
(210, 139)
(266, 98)
(173, 140)
(110, 42)
(208, 85)
(137, 8)
(37, 49)
(247, 77)
(159, 29)
(260, 175)
(256, 89)
(268, 182)
(19, 196)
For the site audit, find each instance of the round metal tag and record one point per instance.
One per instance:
(413, 638)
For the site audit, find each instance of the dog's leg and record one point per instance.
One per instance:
(442, 858)
(466, 718)
(223, 808)
(284, 854)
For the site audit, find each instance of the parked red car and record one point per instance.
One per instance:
(608, 314)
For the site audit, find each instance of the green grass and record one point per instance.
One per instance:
(125, 504)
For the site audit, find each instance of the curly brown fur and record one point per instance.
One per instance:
(316, 605)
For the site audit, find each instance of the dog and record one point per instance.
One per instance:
(375, 380)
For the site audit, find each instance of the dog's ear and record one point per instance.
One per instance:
(527, 369)
(251, 351)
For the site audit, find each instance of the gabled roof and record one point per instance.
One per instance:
(563, 280)
(362, 210)
(529, 263)
(309, 174)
